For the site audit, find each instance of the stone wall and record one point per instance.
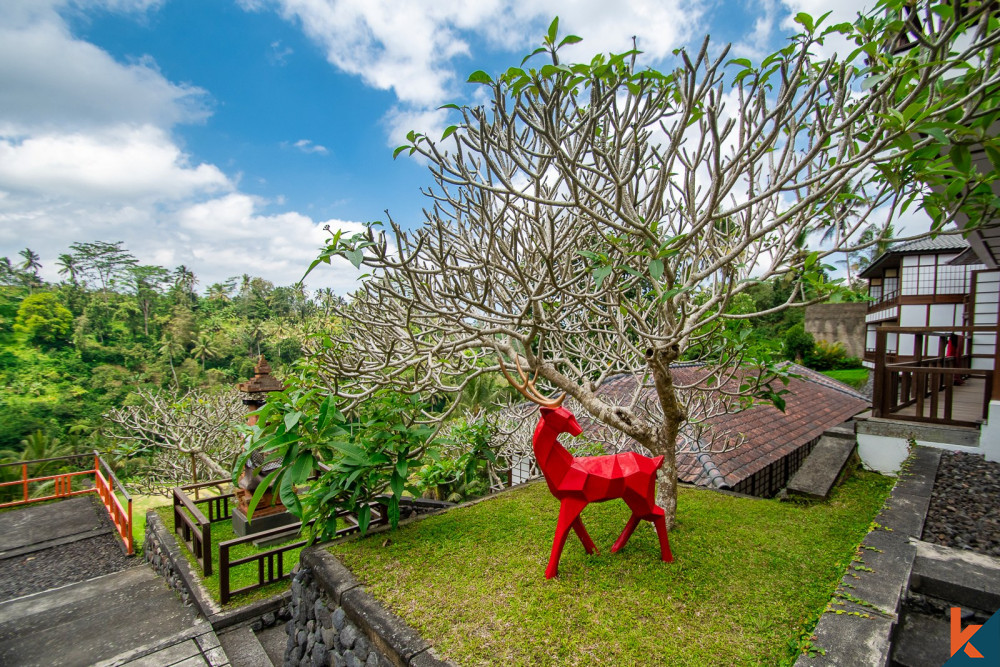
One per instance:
(320, 634)
(839, 323)
(335, 622)
(163, 553)
(157, 554)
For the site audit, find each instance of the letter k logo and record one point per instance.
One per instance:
(960, 636)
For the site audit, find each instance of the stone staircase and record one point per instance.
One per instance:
(822, 468)
(942, 578)
(124, 618)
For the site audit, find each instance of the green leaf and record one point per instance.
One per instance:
(805, 20)
(355, 257)
(352, 452)
(479, 76)
(742, 62)
(994, 155)
(961, 157)
(540, 49)
(448, 131)
(302, 468)
(600, 273)
(395, 154)
(553, 31)
(261, 490)
(570, 39)
(396, 483)
(364, 518)
(656, 269)
(402, 465)
(291, 419)
(289, 498)
(450, 106)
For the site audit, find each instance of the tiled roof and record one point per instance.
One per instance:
(938, 244)
(813, 404)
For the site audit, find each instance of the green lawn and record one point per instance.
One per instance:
(749, 580)
(855, 377)
(242, 575)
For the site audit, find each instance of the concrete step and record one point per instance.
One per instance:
(243, 648)
(820, 470)
(93, 621)
(275, 641)
(845, 430)
(921, 641)
(963, 578)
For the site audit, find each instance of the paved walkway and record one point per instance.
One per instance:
(44, 526)
(125, 618)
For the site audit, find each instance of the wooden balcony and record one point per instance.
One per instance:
(941, 388)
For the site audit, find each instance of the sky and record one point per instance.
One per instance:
(224, 135)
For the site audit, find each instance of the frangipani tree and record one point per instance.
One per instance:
(597, 218)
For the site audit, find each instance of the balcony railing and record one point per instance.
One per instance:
(884, 300)
(941, 387)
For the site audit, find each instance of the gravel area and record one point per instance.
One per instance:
(965, 505)
(65, 564)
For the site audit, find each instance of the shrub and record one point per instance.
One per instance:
(44, 319)
(799, 343)
(826, 356)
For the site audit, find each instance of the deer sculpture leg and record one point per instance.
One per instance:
(581, 532)
(646, 511)
(569, 513)
(660, 523)
(623, 539)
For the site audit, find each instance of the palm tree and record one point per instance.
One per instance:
(220, 291)
(68, 266)
(204, 348)
(170, 347)
(30, 266)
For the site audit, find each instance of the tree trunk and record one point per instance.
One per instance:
(213, 466)
(665, 439)
(666, 476)
(194, 474)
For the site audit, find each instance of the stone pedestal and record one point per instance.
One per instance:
(265, 517)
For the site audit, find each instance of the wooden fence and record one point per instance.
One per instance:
(191, 524)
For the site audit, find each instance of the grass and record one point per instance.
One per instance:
(749, 580)
(855, 377)
(240, 576)
(141, 505)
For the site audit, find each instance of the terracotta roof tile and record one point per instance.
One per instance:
(813, 404)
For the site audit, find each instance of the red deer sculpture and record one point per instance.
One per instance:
(579, 481)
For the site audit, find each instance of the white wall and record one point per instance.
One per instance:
(985, 314)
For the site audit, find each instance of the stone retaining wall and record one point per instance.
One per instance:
(839, 323)
(320, 634)
(163, 553)
(156, 553)
(336, 622)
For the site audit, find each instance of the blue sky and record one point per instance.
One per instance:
(224, 134)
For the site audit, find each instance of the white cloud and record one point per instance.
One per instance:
(113, 164)
(87, 153)
(307, 146)
(410, 48)
(48, 79)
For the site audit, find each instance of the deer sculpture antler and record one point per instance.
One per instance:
(527, 387)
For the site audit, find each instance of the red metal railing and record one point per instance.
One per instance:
(105, 485)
